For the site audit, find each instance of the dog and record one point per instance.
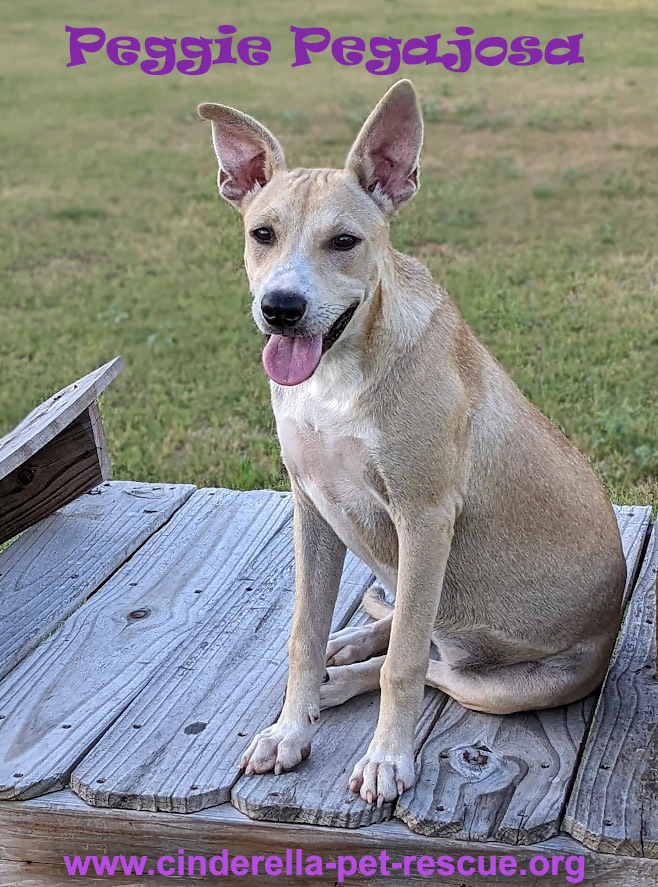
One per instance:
(407, 443)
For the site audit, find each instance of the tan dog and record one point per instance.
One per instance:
(406, 442)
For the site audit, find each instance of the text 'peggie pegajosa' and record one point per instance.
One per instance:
(379, 55)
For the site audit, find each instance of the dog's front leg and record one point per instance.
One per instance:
(424, 539)
(319, 558)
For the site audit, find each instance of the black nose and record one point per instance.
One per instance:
(283, 309)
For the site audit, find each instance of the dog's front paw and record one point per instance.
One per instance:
(381, 775)
(279, 747)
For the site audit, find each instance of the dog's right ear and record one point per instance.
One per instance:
(247, 153)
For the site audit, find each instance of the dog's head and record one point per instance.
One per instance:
(316, 238)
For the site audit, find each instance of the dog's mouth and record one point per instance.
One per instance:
(338, 328)
(289, 360)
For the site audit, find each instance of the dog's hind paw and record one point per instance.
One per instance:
(279, 747)
(352, 644)
(345, 681)
(381, 776)
(356, 643)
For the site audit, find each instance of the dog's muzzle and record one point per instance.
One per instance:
(290, 358)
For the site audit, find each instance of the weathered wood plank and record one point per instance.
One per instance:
(197, 717)
(316, 792)
(57, 453)
(68, 466)
(99, 439)
(35, 834)
(496, 778)
(45, 422)
(54, 566)
(634, 522)
(614, 803)
(57, 703)
(489, 778)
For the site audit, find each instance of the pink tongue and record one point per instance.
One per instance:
(289, 360)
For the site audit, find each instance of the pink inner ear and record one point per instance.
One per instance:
(395, 175)
(389, 147)
(385, 167)
(244, 164)
(250, 172)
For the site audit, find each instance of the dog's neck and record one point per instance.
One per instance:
(402, 305)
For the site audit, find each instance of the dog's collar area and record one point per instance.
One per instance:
(338, 328)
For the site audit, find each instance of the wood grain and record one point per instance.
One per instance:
(45, 422)
(196, 718)
(490, 778)
(68, 466)
(614, 803)
(496, 778)
(316, 792)
(35, 834)
(634, 523)
(56, 565)
(56, 704)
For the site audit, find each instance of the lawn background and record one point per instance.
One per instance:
(538, 212)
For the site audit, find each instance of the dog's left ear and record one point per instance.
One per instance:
(386, 154)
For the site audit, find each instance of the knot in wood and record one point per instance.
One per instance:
(195, 728)
(25, 476)
(476, 757)
(139, 614)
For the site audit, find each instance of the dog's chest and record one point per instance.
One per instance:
(332, 455)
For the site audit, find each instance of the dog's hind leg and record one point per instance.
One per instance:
(525, 686)
(361, 642)
(509, 688)
(345, 681)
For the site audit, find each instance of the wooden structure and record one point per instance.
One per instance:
(142, 643)
(55, 454)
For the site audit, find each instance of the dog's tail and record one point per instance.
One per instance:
(375, 604)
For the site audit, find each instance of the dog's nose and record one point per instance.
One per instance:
(283, 309)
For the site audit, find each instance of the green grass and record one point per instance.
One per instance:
(538, 212)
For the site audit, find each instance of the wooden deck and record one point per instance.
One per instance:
(142, 643)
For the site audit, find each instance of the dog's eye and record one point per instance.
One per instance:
(263, 234)
(345, 241)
